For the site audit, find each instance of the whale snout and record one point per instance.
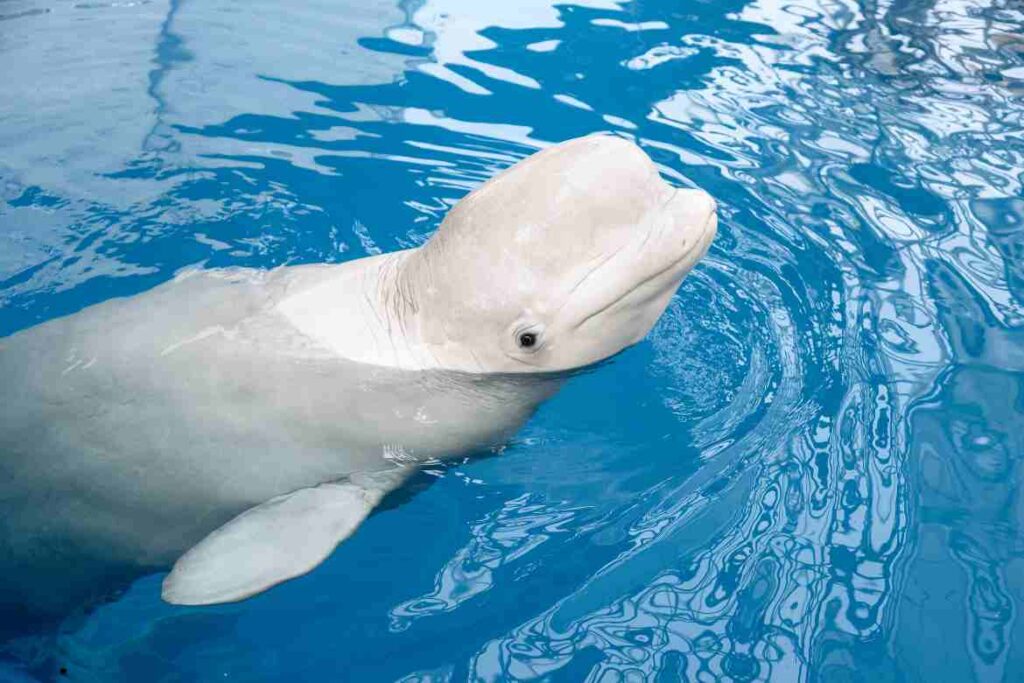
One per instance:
(693, 214)
(710, 225)
(694, 205)
(701, 199)
(711, 201)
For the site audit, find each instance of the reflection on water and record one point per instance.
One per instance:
(964, 460)
(808, 472)
(499, 539)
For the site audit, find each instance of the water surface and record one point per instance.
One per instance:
(809, 470)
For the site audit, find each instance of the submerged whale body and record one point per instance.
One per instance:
(239, 424)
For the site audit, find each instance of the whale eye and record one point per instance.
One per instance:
(526, 337)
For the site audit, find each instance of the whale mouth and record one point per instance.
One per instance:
(700, 247)
(678, 267)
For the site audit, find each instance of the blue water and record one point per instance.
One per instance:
(809, 470)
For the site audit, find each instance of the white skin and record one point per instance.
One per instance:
(579, 248)
(323, 386)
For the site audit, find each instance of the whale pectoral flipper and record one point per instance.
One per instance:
(275, 541)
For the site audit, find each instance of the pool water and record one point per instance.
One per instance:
(808, 471)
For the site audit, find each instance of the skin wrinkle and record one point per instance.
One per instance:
(427, 257)
(568, 297)
(606, 259)
(398, 302)
(398, 306)
(393, 306)
(373, 307)
(389, 311)
(646, 281)
(409, 304)
(661, 210)
(590, 272)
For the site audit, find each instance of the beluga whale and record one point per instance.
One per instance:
(235, 425)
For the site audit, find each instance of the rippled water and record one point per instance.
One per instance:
(809, 471)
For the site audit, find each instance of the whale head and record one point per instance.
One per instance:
(560, 261)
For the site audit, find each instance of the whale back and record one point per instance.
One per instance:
(180, 420)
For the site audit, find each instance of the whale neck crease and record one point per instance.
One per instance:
(365, 311)
(397, 302)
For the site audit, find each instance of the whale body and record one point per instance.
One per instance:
(237, 424)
